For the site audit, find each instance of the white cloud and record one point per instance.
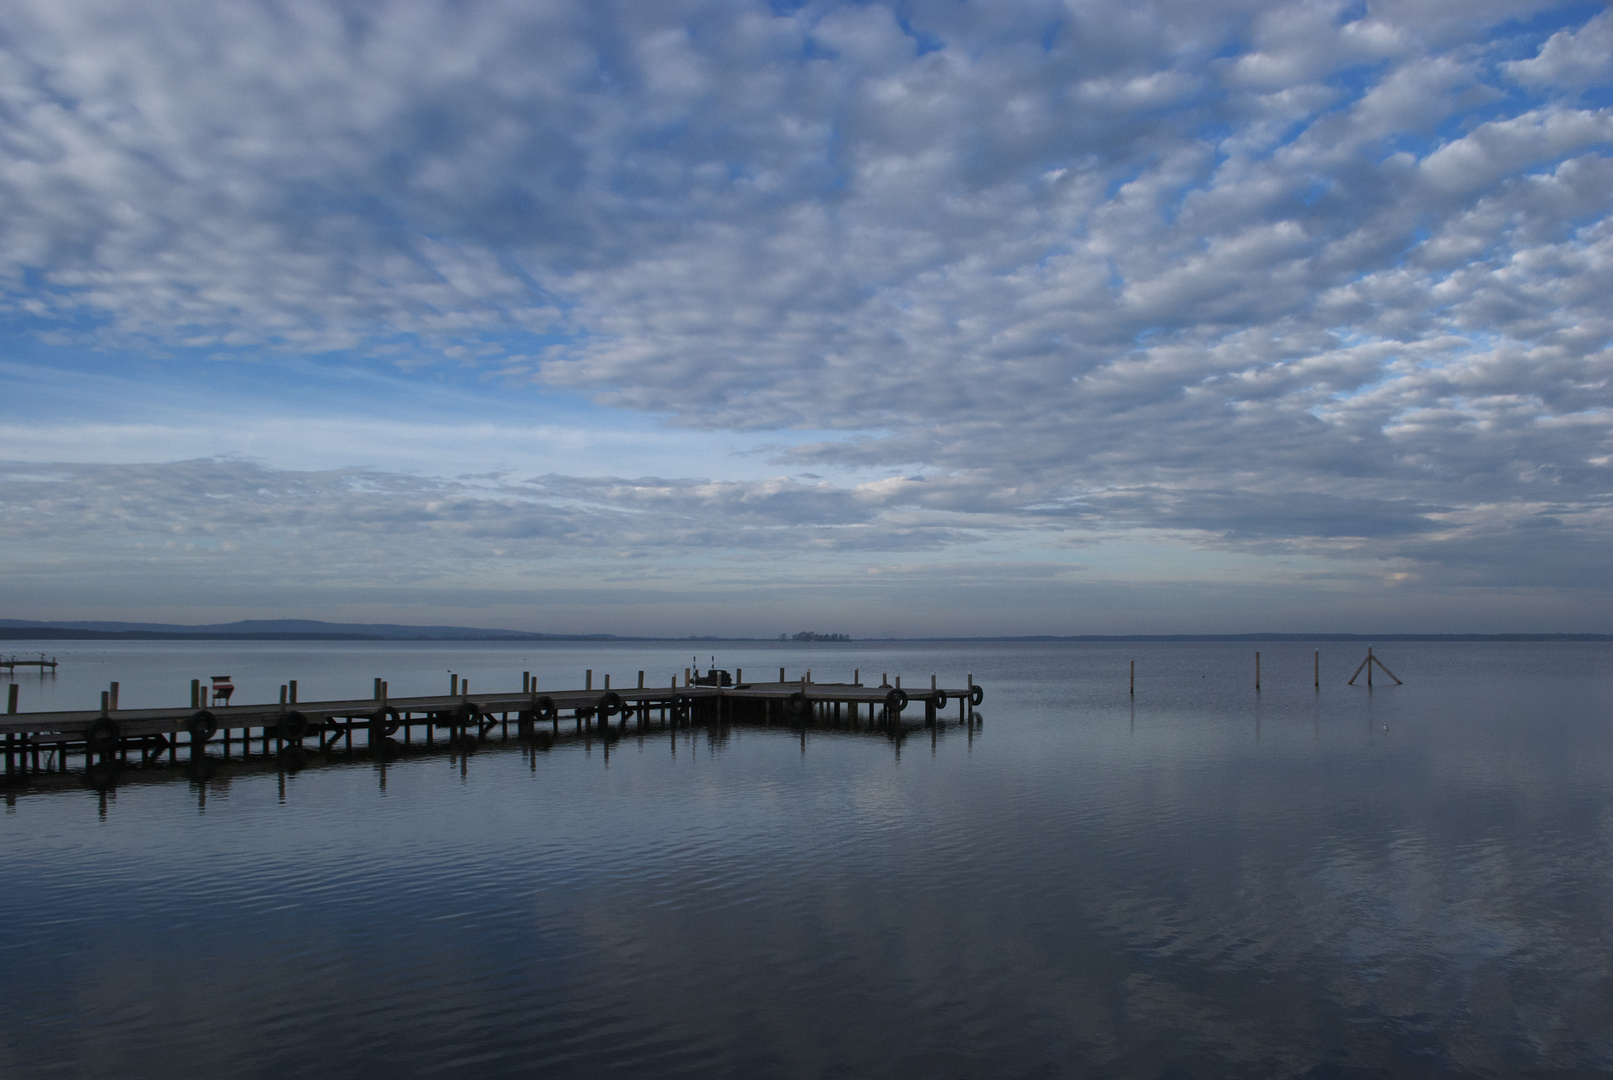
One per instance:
(1250, 274)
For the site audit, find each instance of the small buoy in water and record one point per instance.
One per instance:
(1386, 727)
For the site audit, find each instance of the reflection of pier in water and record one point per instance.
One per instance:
(109, 742)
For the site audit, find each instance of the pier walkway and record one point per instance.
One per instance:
(47, 739)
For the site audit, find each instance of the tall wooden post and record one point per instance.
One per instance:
(1257, 671)
(1134, 678)
(1318, 669)
(11, 699)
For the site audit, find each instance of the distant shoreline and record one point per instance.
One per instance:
(47, 632)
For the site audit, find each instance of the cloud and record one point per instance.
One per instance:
(1292, 276)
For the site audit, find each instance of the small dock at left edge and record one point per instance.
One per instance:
(44, 741)
(12, 663)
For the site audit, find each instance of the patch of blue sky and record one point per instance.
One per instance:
(73, 403)
(1529, 31)
(813, 49)
(924, 42)
(1049, 37)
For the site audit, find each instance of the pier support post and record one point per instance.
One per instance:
(196, 693)
(11, 698)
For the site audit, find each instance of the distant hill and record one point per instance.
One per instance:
(273, 630)
(314, 630)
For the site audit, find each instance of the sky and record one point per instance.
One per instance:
(917, 319)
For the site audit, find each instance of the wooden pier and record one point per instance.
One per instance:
(12, 663)
(43, 741)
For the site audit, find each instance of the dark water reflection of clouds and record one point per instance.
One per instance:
(1194, 884)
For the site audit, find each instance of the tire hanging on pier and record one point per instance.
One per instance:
(797, 703)
(102, 735)
(940, 699)
(383, 723)
(610, 703)
(977, 694)
(545, 708)
(896, 700)
(680, 707)
(201, 726)
(293, 727)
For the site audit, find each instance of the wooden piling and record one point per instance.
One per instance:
(453, 685)
(114, 692)
(1134, 678)
(376, 695)
(1318, 669)
(11, 699)
(293, 685)
(641, 680)
(588, 680)
(1257, 671)
(196, 693)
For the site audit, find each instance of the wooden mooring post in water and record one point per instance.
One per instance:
(1367, 664)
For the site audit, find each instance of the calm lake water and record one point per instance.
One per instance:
(1198, 882)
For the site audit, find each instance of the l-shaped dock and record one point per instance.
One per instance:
(46, 740)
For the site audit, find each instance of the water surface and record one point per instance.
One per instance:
(1198, 881)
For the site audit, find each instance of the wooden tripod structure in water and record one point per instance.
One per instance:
(1367, 664)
